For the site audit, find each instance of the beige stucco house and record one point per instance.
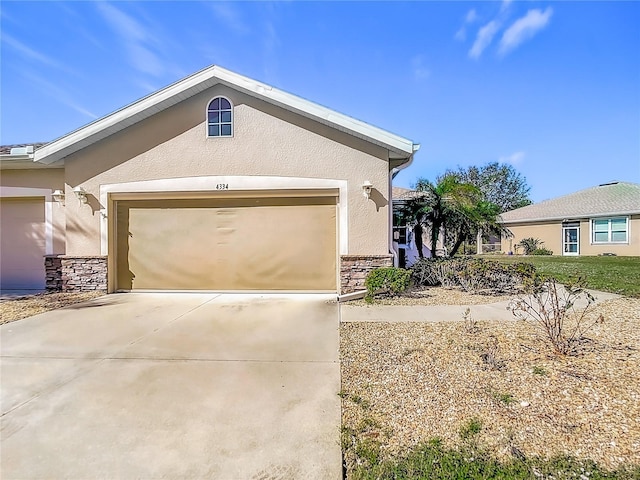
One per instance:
(595, 221)
(217, 182)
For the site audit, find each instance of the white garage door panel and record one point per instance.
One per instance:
(22, 243)
(256, 244)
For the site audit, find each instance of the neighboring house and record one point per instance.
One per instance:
(595, 221)
(217, 182)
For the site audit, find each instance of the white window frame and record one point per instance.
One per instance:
(609, 240)
(206, 113)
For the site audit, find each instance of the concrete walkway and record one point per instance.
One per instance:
(436, 313)
(173, 386)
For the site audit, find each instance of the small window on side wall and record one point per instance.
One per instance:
(220, 118)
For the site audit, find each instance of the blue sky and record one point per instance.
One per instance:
(551, 87)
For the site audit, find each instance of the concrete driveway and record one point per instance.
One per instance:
(173, 386)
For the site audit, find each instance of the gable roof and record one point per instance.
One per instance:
(398, 147)
(615, 198)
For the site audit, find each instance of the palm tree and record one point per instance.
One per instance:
(445, 205)
(450, 205)
(481, 216)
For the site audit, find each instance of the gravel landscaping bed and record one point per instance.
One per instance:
(435, 296)
(406, 383)
(29, 305)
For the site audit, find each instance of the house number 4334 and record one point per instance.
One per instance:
(222, 186)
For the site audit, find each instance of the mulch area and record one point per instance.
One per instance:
(29, 305)
(406, 383)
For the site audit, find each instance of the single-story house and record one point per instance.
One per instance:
(216, 182)
(595, 221)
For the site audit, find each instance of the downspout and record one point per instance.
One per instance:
(392, 174)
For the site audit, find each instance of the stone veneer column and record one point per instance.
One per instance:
(53, 273)
(355, 268)
(83, 274)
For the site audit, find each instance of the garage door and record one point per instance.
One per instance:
(227, 244)
(22, 243)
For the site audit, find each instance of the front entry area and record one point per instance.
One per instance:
(281, 243)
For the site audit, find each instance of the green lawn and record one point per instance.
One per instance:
(609, 274)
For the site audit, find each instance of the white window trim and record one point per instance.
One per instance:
(609, 241)
(206, 116)
(23, 192)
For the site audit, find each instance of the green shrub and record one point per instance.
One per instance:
(542, 251)
(529, 244)
(387, 281)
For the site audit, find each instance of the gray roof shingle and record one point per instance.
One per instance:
(6, 149)
(615, 198)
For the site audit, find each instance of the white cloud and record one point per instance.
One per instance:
(125, 25)
(420, 71)
(505, 5)
(147, 87)
(484, 38)
(30, 52)
(514, 159)
(59, 94)
(461, 34)
(145, 60)
(472, 16)
(524, 28)
(228, 14)
(137, 40)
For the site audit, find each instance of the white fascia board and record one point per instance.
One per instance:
(197, 82)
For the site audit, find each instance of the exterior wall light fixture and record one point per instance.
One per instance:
(81, 194)
(58, 196)
(366, 189)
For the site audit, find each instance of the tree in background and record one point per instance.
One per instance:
(500, 184)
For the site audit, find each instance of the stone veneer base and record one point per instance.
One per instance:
(70, 273)
(355, 268)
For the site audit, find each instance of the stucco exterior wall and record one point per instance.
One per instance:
(52, 178)
(630, 249)
(551, 235)
(267, 141)
(47, 179)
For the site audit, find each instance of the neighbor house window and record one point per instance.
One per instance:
(220, 118)
(610, 230)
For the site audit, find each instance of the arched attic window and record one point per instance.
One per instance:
(220, 118)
